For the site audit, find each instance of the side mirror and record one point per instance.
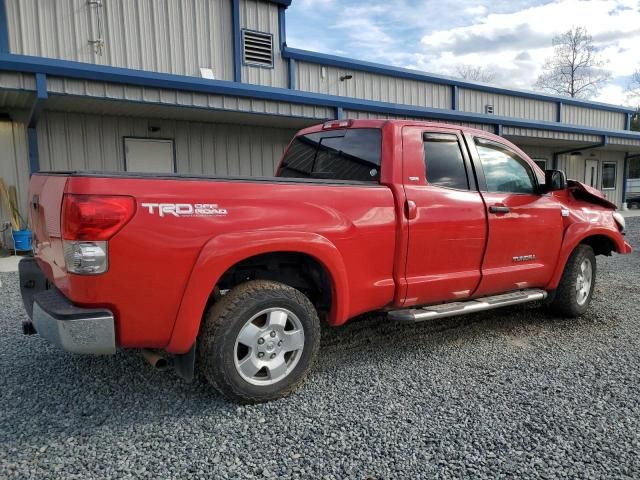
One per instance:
(554, 180)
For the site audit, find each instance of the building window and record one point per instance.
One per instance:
(257, 49)
(541, 162)
(149, 155)
(609, 175)
(443, 161)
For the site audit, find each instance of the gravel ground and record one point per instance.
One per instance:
(513, 393)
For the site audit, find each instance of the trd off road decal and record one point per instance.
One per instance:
(185, 209)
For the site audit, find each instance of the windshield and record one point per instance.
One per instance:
(346, 154)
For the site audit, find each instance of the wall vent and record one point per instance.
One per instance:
(257, 48)
(488, 109)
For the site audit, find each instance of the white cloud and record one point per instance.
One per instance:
(512, 38)
(476, 10)
(516, 44)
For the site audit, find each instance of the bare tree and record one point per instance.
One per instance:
(576, 68)
(475, 74)
(634, 85)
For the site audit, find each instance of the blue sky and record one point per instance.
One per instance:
(511, 38)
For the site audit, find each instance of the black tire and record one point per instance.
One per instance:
(566, 302)
(223, 324)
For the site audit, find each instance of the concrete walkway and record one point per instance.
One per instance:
(9, 264)
(630, 213)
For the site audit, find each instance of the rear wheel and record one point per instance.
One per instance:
(575, 290)
(259, 341)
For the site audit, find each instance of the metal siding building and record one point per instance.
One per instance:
(79, 79)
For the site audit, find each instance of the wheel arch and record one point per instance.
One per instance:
(224, 252)
(603, 241)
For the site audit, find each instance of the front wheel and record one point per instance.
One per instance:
(259, 341)
(578, 281)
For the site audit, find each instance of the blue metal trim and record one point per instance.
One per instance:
(282, 3)
(237, 43)
(4, 28)
(32, 144)
(625, 176)
(340, 113)
(41, 86)
(282, 28)
(38, 104)
(559, 112)
(455, 97)
(342, 62)
(65, 68)
(291, 82)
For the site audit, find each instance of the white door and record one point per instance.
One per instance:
(591, 173)
(149, 155)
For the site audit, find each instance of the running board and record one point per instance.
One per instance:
(452, 309)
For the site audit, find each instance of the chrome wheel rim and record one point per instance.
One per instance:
(584, 281)
(269, 346)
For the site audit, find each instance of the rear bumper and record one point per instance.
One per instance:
(74, 329)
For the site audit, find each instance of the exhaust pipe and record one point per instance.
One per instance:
(155, 360)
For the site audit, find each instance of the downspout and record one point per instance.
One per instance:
(237, 44)
(625, 175)
(32, 124)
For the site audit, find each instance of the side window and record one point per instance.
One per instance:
(504, 171)
(443, 161)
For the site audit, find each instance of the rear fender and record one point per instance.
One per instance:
(222, 252)
(576, 234)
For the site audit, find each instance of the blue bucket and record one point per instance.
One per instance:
(22, 240)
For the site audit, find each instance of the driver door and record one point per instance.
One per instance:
(525, 227)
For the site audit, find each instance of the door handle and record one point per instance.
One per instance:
(410, 209)
(498, 209)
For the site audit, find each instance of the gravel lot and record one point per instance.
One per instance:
(511, 393)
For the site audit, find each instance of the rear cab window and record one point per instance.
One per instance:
(353, 154)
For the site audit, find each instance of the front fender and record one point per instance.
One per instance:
(575, 234)
(222, 252)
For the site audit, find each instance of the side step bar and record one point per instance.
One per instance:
(452, 309)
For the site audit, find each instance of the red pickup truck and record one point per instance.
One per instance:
(233, 275)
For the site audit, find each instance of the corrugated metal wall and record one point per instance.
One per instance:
(591, 117)
(536, 133)
(263, 17)
(131, 93)
(370, 86)
(14, 164)
(506, 105)
(359, 115)
(171, 36)
(69, 141)
(623, 141)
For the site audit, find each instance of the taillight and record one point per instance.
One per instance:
(88, 221)
(95, 217)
